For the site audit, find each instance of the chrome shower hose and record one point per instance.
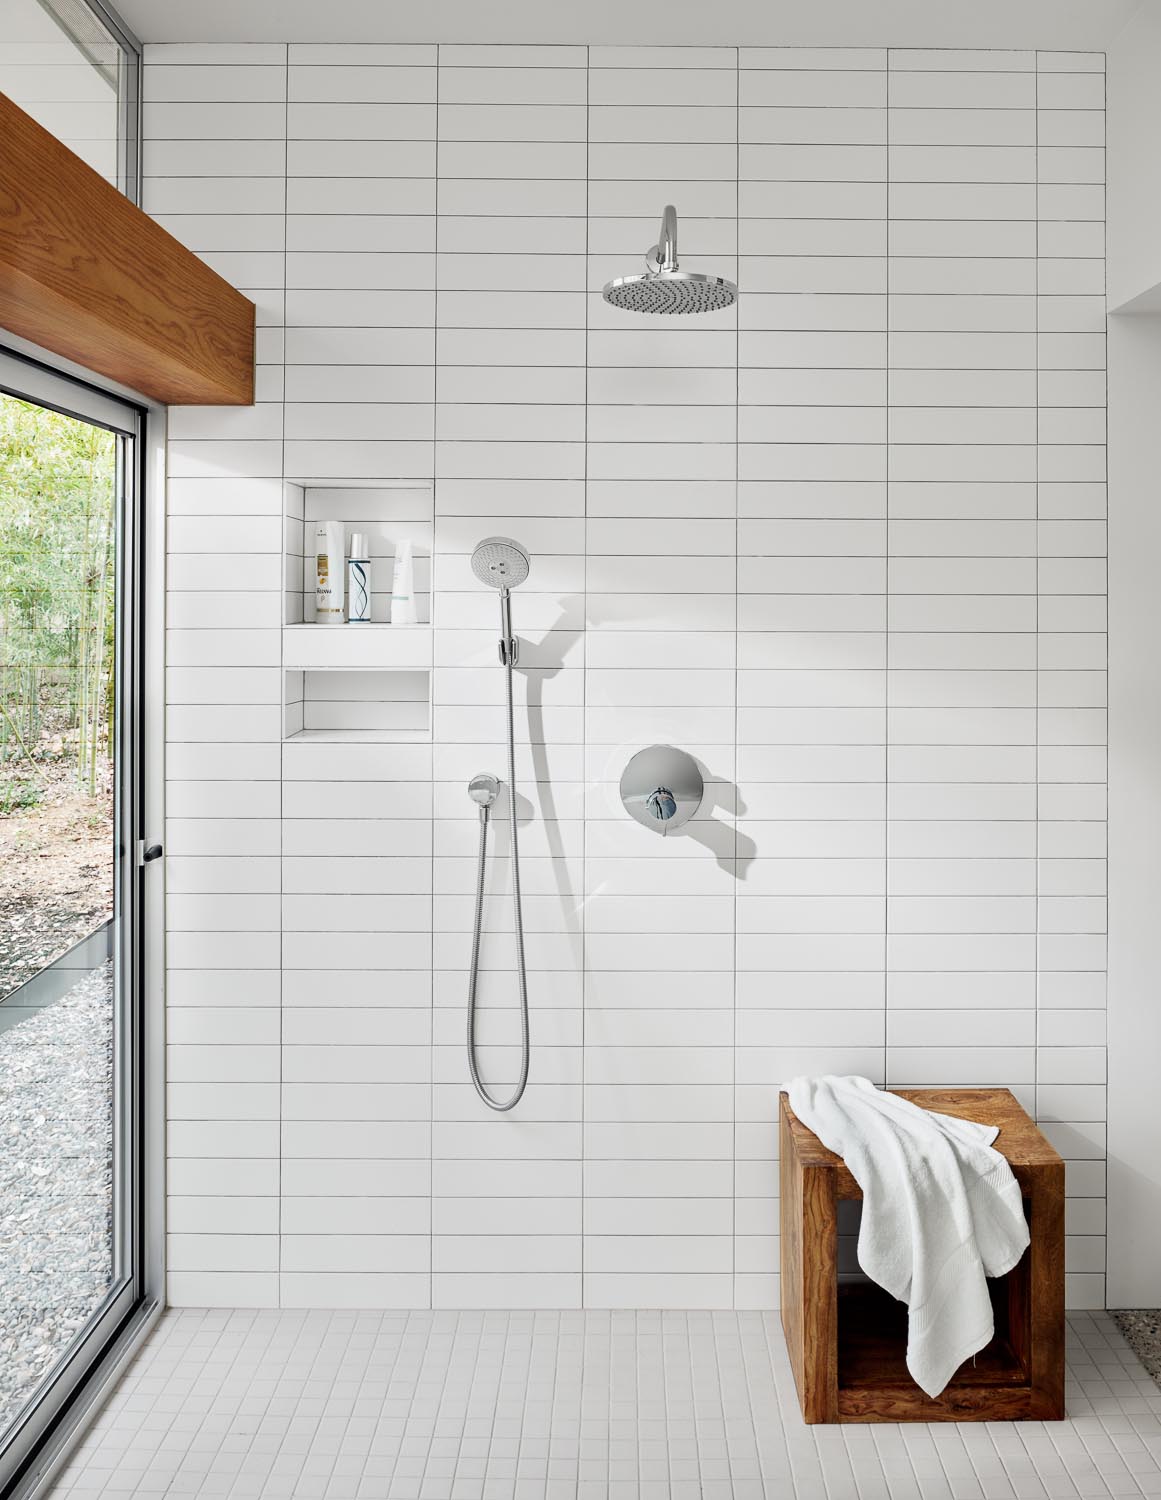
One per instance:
(509, 652)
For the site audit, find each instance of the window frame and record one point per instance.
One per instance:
(70, 1394)
(129, 76)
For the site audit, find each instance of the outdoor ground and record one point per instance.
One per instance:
(56, 1144)
(56, 860)
(1142, 1329)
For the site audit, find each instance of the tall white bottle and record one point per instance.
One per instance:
(403, 610)
(329, 573)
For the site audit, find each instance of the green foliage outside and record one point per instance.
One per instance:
(57, 560)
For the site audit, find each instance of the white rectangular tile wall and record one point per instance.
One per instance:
(847, 547)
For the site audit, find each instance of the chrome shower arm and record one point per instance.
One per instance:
(663, 288)
(663, 256)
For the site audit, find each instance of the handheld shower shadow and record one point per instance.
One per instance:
(502, 564)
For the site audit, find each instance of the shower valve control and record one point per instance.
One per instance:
(662, 803)
(662, 788)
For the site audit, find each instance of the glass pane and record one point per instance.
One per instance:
(60, 65)
(59, 506)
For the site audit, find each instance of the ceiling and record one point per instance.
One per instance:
(1050, 24)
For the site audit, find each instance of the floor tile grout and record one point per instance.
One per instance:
(350, 1405)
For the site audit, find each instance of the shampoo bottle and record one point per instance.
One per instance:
(329, 573)
(403, 611)
(359, 581)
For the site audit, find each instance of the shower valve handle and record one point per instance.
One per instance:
(662, 804)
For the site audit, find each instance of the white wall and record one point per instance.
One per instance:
(1134, 1270)
(848, 550)
(1134, 813)
(1134, 172)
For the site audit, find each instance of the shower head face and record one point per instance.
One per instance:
(500, 562)
(671, 292)
(666, 289)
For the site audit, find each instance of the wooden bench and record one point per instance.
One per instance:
(848, 1343)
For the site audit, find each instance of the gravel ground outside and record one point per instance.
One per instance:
(56, 1171)
(1142, 1329)
(56, 870)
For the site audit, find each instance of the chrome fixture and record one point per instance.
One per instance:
(502, 564)
(483, 789)
(662, 803)
(662, 788)
(663, 288)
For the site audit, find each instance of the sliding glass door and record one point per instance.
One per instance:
(70, 891)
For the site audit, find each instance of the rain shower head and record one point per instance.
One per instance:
(665, 289)
(500, 562)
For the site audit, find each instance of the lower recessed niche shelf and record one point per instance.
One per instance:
(369, 683)
(360, 704)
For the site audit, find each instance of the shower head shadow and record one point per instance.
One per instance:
(500, 562)
(664, 287)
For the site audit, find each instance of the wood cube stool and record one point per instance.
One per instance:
(848, 1343)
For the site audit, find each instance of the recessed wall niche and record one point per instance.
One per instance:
(364, 682)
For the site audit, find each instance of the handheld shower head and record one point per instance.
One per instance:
(666, 289)
(500, 562)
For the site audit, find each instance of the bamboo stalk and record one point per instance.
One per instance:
(8, 719)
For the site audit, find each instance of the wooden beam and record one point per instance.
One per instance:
(85, 273)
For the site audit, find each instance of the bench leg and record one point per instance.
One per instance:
(809, 1285)
(1046, 1293)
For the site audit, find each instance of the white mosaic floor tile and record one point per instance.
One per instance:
(257, 1405)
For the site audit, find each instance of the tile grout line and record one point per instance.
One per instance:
(887, 583)
(282, 708)
(1037, 978)
(1105, 661)
(432, 614)
(737, 647)
(584, 966)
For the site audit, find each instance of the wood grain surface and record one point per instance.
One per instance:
(847, 1345)
(86, 274)
(1019, 1139)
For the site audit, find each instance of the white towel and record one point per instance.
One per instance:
(941, 1212)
